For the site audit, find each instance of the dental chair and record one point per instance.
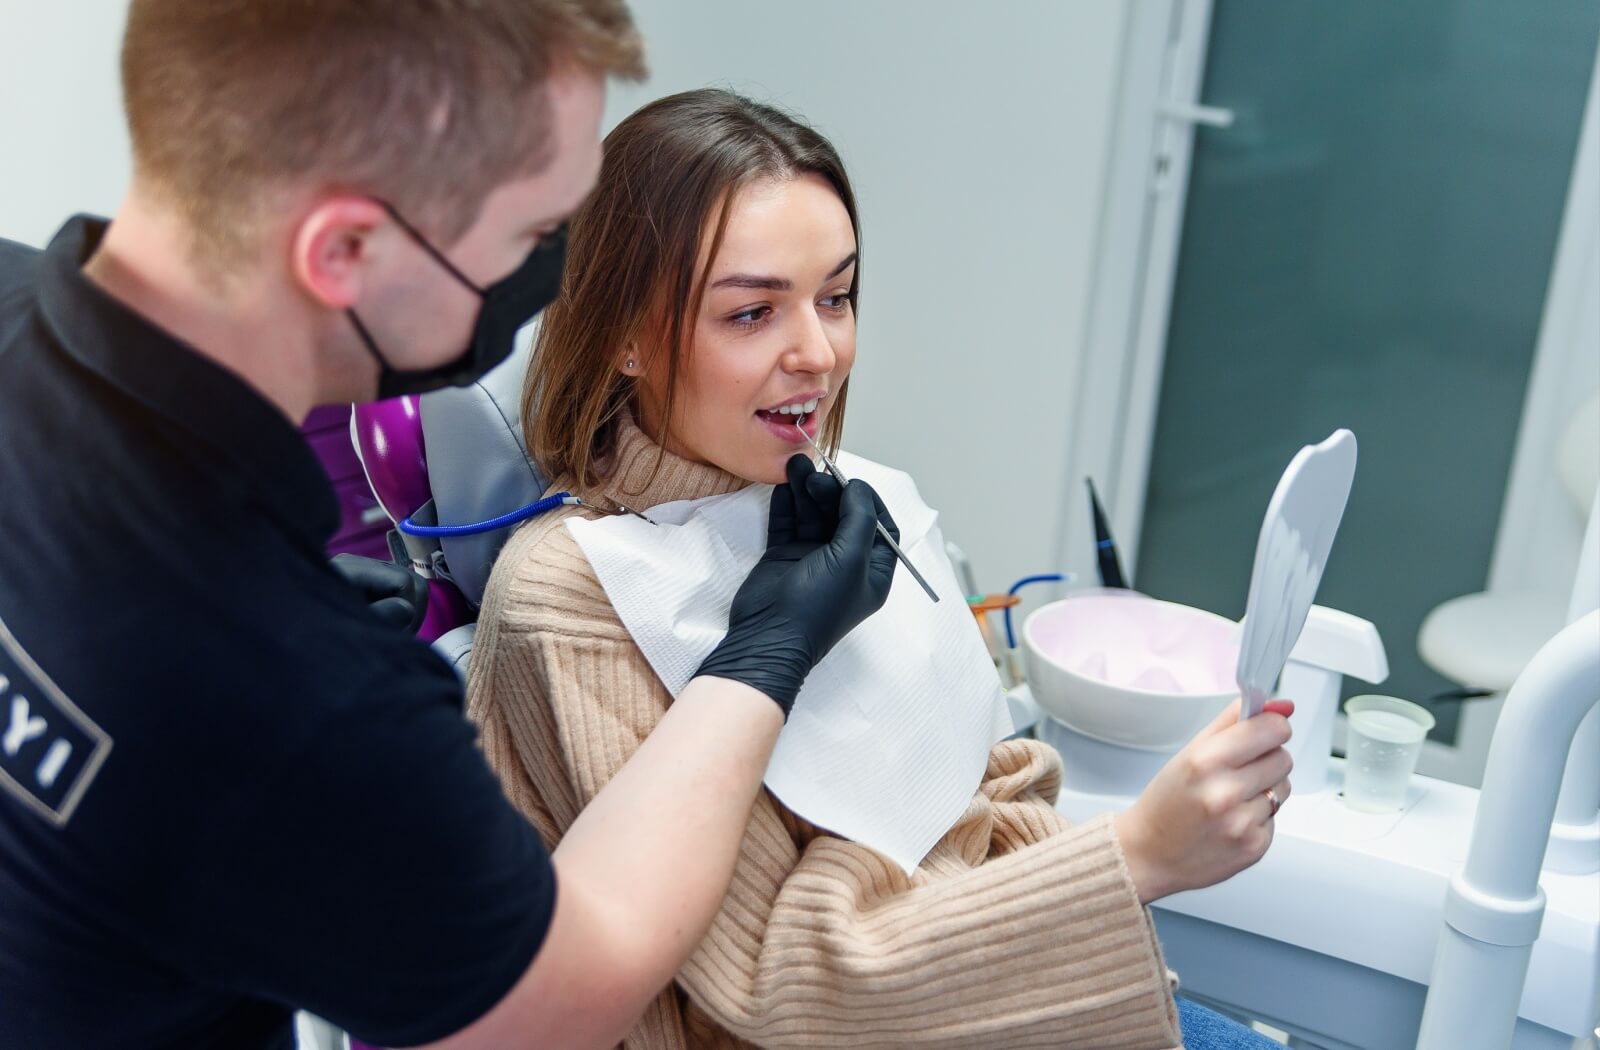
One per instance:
(453, 456)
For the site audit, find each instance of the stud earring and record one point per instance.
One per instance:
(630, 364)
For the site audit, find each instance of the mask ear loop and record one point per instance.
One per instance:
(367, 340)
(427, 246)
(422, 242)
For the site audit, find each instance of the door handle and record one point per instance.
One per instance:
(1193, 113)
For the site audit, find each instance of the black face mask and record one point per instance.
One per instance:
(508, 304)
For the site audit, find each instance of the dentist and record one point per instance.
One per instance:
(227, 790)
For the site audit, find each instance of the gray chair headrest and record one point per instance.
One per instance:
(478, 463)
(456, 648)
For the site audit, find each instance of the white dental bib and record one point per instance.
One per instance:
(890, 735)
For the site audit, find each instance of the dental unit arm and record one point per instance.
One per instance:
(1575, 835)
(1494, 905)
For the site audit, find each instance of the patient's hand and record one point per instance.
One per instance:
(1206, 815)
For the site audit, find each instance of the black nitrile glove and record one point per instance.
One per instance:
(395, 593)
(824, 572)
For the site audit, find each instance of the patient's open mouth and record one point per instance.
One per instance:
(784, 419)
(792, 408)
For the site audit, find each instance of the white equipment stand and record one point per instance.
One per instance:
(1332, 937)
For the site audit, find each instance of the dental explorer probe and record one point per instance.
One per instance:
(898, 553)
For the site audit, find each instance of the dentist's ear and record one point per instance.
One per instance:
(333, 248)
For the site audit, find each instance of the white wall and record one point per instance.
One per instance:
(976, 136)
(63, 147)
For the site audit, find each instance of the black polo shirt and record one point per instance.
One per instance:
(226, 790)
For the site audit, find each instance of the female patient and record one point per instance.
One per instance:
(712, 281)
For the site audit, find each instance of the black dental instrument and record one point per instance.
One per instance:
(898, 553)
(1104, 546)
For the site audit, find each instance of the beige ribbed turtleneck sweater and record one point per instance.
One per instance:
(1016, 931)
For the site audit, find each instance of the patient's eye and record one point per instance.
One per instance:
(837, 302)
(750, 318)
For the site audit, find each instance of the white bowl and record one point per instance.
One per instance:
(1130, 670)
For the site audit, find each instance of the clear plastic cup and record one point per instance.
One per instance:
(1381, 751)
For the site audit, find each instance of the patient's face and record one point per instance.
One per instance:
(775, 329)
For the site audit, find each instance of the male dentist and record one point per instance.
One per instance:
(227, 790)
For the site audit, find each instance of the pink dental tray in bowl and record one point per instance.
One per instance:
(1130, 670)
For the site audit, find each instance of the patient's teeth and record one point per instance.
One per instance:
(810, 406)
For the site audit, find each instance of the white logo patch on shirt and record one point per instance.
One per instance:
(50, 751)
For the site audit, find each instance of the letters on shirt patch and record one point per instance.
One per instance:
(49, 750)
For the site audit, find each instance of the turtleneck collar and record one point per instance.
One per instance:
(645, 474)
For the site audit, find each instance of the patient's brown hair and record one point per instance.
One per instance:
(429, 104)
(669, 171)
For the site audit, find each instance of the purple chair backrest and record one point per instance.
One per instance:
(387, 435)
(362, 523)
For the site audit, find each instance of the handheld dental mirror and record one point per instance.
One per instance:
(898, 553)
(1292, 551)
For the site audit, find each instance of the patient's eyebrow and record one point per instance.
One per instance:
(776, 284)
(844, 265)
(750, 280)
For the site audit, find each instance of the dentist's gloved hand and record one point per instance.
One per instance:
(394, 593)
(825, 571)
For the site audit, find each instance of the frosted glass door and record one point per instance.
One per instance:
(1369, 246)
